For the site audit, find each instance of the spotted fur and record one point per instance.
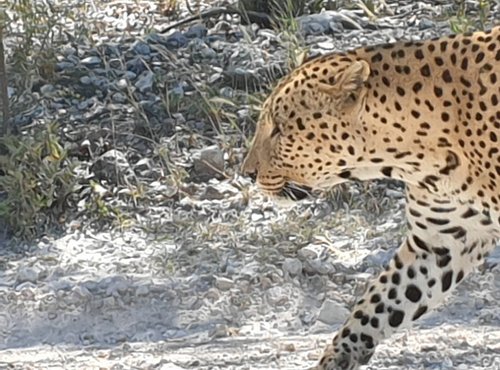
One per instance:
(426, 113)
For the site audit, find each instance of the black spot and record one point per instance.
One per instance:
(437, 221)
(420, 243)
(444, 261)
(396, 318)
(300, 125)
(470, 213)
(460, 276)
(441, 251)
(387, 171)
(446, 281)
(438, 91)
(393, 293)
(375, 298)
(458, 231)
(413, 293)
(425, 70)
(447, 76)
(380, 308)
(377, 58)
(396, 278)
(419, 312)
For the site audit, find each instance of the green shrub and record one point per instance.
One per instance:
(36, 178)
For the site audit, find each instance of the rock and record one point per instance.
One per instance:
(332, 313)
(318, 266)
(142, 290)
(85, 80)
(145, 81)
(176, 40)
(293, 266)
(223, 283)
(122, 84)
(140, 47)
(277, 296)
(112, 167)
(211, 193)
(196, 31)
(208, 163)
(48, 90)
(312, 29)
(27, 274)
(326, 45)
(118, 98)
(136, 65)
(425, 24)
(92, 61)
(63, 66)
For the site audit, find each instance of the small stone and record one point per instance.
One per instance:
(211, 193)
(118, 98)
(326, 45)
(332, 313)
(142, 290)
(63, 66)
(27, 274)
(122, 84)
(318, 266)
(145, 81)
(136, 65)
(140, 47)
(277, 296)
(256, 217)
(425, 24)
(48, 90)
(68, 50)
(220, 331)
(92, 61)
(85, 80)
(293, 266)
(208, 53)
(223, 283)
(208, 163)
(176, 40)
(196, 31)
(111, 166)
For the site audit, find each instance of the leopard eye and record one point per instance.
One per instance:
(276, 131)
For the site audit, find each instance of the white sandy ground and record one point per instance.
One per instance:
(102, 302)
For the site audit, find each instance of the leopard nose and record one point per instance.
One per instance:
(249, 171)
(249, 168)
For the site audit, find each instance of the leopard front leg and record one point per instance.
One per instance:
(435, 257)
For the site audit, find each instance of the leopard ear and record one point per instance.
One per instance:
(348, 83)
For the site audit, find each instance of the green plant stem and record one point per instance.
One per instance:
(3, 86)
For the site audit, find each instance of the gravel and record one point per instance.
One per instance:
(170, 260)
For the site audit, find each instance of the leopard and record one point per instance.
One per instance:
(425, 113)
